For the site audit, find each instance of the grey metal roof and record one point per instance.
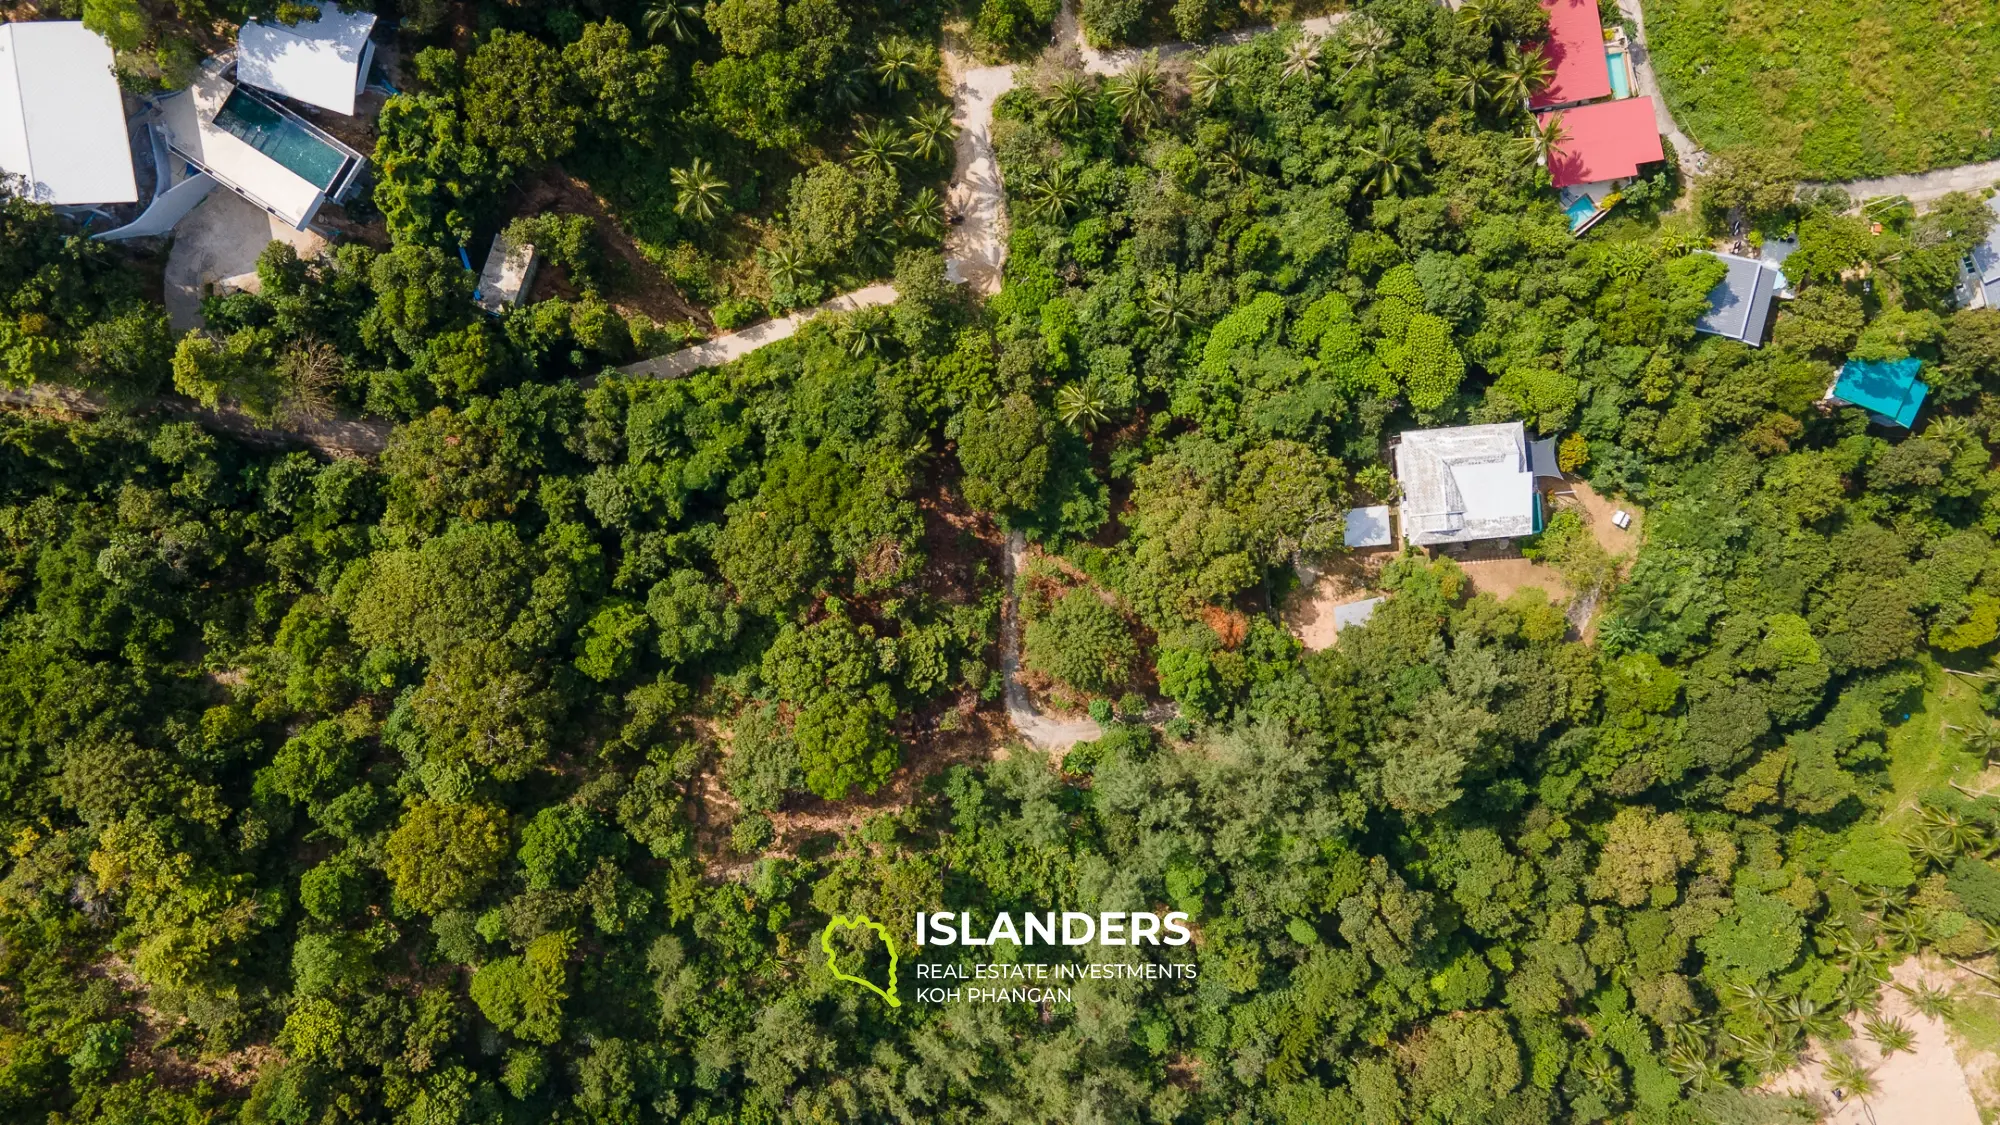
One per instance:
(1354, 613)
(1740, 304)
(1368, 527)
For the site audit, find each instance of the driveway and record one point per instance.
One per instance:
(219, 243)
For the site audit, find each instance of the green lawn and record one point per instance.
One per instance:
(1923, 753)
(1853, 88)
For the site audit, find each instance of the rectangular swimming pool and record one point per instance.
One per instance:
(1580, 211)
(1621, 78)
(281, 139)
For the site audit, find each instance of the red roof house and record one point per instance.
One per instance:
(1604, 141)
(1576, 48)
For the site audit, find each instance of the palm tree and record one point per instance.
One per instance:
(1166, 307)
(1813, 1021)
(1904, 930)
(681, 20)
(898, 62)
(1544, 139)
(1140, 92)
(1758, 996)
(1949, 428)
(878, 147)
(931, 133)
(1891, 1035)
(1083, 406)
(1213, 75)
(1301, 58)
(786, 267)
(1068, 100)
(1236, 157)
(1985, 742)
(1928, 1000)
(1364, 44)
(1845, 1072)
(1524, 73)
(1931, 846)
(1766, 1054)
(697, 193)
(850, 88)
(1474, 87)
(1391, 160)
(924, 216)
(864, 331)
(1050, 196)
(1482, 16)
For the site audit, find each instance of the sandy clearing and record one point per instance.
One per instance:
(1597, 512)
(1503, 578)
(975, 249)
(220, 240)
(1323, 588)
(1922, 1087)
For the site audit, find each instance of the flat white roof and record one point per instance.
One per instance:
(504, 281)
(189, 119)
(62, 120)
(322, 63)
(1465, 483)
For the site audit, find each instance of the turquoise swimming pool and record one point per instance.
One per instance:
(281, 139)
(1580, 212)
(1621, 78)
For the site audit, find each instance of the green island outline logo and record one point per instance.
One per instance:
(843, 922)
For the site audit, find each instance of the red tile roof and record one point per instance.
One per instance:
(1576, 47)
(1604, 141)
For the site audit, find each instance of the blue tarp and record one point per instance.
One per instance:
(1887, 389)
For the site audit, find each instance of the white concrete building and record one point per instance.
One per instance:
(323, 62)
(62, 119)
(256, 148)
(1467, 483)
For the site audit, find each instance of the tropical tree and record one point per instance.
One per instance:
(1083, 405)
(1391, 160)
(1068, 100)
(697, 191)
(923, 216)
(682, 21)
(1482, 16)
(1212, 75)
(1166, 306)
(1928, 999)
(1523, 73)
(786, 266)
(1473, 87)
(1891, 1034)
(1301, 58)
(931, 133)
(1051, 195)
(1363, 43)
(1543, 140)
(878, 147)
(1140, 93)
(863, 331)
(898, 62)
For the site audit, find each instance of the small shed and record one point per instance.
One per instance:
(1369, 527)
(509, 271)
(62, 120)
(1353, 613)
(1888, 390)
(322, 62)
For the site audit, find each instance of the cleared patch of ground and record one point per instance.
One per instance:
(1503, 578)
(1325, 587)
(218, 245)
(635, 284)
(1923, 1086)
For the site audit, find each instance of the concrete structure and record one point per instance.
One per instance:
(256, 148)
(1369, 527)
(1979, 273)
(62, 120)
(1575, 48)
(1739, 307)
(323, 62)
(1353, 613)
(1888, 390)
(507, 275)
(1466, 483)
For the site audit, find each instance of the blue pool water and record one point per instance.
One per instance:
(280, 138)
(1580, 211)
(1621, 79)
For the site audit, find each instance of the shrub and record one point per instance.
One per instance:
(1082, 642)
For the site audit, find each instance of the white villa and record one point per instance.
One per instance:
(62, 119)
(322, 63)
(1463, 484)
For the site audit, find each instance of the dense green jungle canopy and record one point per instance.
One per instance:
(511, 776)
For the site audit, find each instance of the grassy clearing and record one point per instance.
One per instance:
(1851, 88)
(1924, 753)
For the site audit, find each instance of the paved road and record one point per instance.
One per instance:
(975, 250)
(1038, 729)
(736, 345)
